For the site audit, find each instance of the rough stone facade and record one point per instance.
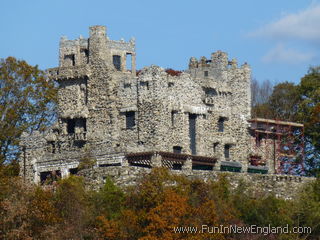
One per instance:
(107, 109)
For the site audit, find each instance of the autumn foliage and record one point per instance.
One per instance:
(155, 208)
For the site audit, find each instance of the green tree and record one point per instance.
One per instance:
(284, 101)
(282, 104)
(109, 200)
(73, 202)
(307, 209)
(27, 100)
(309, 107)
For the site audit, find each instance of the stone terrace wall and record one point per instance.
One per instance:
(282, 186)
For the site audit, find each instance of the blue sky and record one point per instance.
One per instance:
(279, 39)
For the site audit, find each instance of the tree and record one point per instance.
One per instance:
(74, 206)
(27, 100)
(309, 107)
(309, 114)
(284, 101)
(260, 93)
(109, 200)
(296, 103)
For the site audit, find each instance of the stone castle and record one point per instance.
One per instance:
(196, 121)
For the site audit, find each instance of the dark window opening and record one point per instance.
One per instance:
(129, 61)
(82, 122)
(206, 74)
(50, 177)
(70, 58)
(117, 62)
(127, 85)
(52, 146)
(130, 119)
(44, 176)
(192, 133)
(144, 84)
(221, 124)
(258, 140)
(110, 165)
(202, 167)
(85, 53)
(71, 124)
(215, 147)
(73, 171)
(56, 131)
(79, 143)
(210, 92)
(176, 166)
(227, 150)
(177, 149)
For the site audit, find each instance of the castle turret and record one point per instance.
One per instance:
(98, 48)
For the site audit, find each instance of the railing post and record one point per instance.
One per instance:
(125, 162)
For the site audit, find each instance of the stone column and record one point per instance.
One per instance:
(64, 172)
(133, 63)
(187, 166)
(156, 160)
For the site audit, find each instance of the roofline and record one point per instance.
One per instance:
(276, 122)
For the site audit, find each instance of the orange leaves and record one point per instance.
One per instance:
(167, 215)
(108, 229)
(177, 209)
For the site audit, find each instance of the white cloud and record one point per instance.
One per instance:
(304, 25)
(280, 54)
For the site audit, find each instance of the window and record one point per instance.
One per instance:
(73, 171)
(258, 140)
(127, 85)
(210, 92)
(49, 177)
(82, 122)
(227, 150)
(192, 133)
(221, 124)
(130, 119)
(52, 147)
(176, 166)
(173, 118)
(117, 62)
(170, 84)
(70, 60)
(215, 147)
(129, 61)
(144, 84)
(71, 124)
(206, 74)
(177, 149)
(85, 54)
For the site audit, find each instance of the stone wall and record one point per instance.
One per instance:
(281, 186)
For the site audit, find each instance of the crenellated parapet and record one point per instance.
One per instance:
(119, 55)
